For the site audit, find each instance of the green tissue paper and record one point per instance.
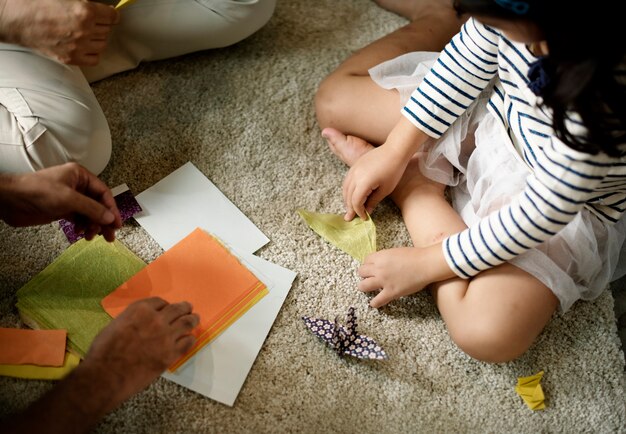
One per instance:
(68, 292)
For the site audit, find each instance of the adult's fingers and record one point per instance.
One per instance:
(183, 325)
(105, 14)
(91, 59)
(95, 212)
(108, 232)
(184, 344)
(175, 310)
(94, 46)
(91, 231)
(156, 303)
(99, 33)
(93, 187)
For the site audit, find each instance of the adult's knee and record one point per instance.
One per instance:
(242, 17)
(79, 134)
(486, 340)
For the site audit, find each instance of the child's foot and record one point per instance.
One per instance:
(350, 148)
(414, 9)
(347, 148)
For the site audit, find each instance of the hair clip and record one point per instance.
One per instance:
(517, 6)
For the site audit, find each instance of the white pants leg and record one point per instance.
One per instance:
(48, 113)
(161, 29)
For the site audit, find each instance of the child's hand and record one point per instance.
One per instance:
(371, 179)
(402, 271)
(376, 174)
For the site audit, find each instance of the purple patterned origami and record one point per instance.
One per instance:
(345, 340)
(126, 204)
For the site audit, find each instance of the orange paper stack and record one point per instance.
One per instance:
(202, 271)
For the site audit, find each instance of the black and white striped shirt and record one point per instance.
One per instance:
(561, 180)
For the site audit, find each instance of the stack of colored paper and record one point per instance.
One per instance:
(67, 293)
(173, 208)
(200, 270)
(35, 354)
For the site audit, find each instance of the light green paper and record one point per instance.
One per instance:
(357, 237)
(68, 292)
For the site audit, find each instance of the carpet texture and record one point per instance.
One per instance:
(244, 116)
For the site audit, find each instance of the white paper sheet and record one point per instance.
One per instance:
(219, 370)
(173, 208)
(185, 200)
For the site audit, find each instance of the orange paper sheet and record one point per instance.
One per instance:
(200, 270)
(34, 347)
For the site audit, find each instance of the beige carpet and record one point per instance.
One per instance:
(244, 117)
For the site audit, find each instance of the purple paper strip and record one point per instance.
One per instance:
(126, 204)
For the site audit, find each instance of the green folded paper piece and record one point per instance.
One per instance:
(68, 292)
(357, 237)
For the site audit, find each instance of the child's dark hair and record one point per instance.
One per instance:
(586, 64)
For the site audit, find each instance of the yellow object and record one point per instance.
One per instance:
(357, 237)
(531, 392)
(123, 3)
(34, 372)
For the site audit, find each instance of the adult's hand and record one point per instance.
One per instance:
(70, 31)
(68, 191)
(127, 355)
(137, 346)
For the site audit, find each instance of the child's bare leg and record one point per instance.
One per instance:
(495, 316)
(411, 9)
(350, 101)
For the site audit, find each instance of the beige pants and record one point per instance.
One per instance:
(48, 112)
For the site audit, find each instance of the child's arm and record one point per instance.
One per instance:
(462, 71)
(565, 180)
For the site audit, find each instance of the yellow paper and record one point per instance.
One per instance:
(357, 237)
(123, 3)
(529, 389)
(34, 372)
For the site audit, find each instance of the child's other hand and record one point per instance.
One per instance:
(373, 177)
(395, 272)
(402, 271)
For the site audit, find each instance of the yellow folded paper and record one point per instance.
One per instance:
(123, 3)
(529, 388)
(35, 372)
(357, 237)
